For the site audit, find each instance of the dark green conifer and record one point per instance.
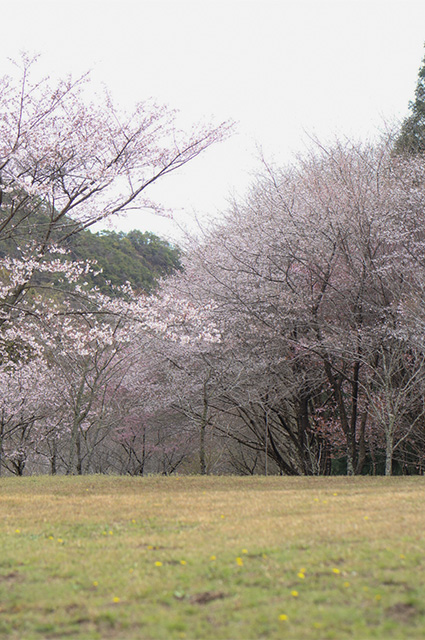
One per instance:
(411, 138)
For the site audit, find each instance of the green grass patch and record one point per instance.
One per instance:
(212, 558)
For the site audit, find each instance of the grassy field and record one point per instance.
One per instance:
(212, 558)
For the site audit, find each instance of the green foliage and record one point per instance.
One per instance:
(412, 134)
(140, 258)
(25, 219)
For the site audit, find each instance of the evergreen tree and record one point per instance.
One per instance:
(412, 134)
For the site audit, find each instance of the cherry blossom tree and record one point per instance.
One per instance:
(184, 375)
(100, 367)
(314, 268)
(67, 162)
(396, 394)
(29, 405)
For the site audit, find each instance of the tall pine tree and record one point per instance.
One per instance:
(411, 138)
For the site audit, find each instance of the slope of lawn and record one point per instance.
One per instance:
(212, 558)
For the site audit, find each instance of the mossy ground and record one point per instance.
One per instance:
(212, 558)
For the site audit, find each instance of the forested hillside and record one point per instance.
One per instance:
(140, 258)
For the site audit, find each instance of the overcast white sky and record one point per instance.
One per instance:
(281, 69)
